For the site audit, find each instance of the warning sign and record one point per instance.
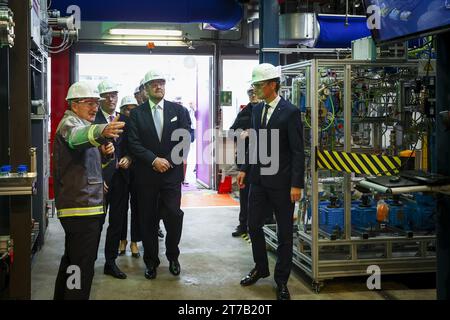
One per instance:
(427, 67)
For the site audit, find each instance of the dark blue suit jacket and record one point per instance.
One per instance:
(287, 119)
(145, 146)
(120, 146)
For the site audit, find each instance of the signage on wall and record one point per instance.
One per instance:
(226, 98)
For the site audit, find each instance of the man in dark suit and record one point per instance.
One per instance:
(278, 182)
(159, 171)
(116, 178)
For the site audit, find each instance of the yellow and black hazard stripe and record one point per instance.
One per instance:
(360, 163)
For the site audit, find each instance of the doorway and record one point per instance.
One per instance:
(189, 82)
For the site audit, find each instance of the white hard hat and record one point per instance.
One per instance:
(141, 83)
(265, 71)
(136, 90)
(107, 86)
(128, 100)
(80, 90)
(153, 75)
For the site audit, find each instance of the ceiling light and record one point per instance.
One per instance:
(146, 32)
(145, 43)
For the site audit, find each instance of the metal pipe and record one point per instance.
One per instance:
(348, 148)
(399, 190)
(333, 180)
(314, 101)
(221, 14)
(33, 161)
(374, 186)
(346, 13)
(306, 50)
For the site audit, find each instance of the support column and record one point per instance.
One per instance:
(442, 160)
(20, 143)
(4, 131)
(269, 31)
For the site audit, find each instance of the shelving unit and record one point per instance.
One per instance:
(321, 253)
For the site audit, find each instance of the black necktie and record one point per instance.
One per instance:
(264, 119)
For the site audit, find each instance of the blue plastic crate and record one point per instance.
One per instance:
(424, 200)
(421, 217)
(331, 217)
(335, 216)
(365, 217)
(397, 215)
(322, 215)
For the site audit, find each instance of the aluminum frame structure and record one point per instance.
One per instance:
(320, 257)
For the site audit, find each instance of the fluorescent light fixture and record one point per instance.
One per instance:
(144, 43)
(146, 32)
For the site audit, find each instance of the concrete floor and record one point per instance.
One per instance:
(212, 265)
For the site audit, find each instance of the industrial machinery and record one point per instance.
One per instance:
(24, 95)
(6, 26)
(365, 124)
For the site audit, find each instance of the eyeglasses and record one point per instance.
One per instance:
(259, 84)
(89, 103)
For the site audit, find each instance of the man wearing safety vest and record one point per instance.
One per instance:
(77, 172)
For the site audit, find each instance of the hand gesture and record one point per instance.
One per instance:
(114, 128)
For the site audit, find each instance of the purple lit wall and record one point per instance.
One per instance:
(204, 124)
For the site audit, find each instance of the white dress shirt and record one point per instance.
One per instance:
(272, 105)
(160, 105)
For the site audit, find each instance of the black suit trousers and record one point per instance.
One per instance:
(154, 202)
(280, 199)
(243, 204)
(82, 238)
(117, 199)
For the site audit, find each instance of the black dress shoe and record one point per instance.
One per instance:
(253, 276)
(239, 231)
(283, 292)
(174, 267)
(150, 273)
(113, 270)
(160, 233)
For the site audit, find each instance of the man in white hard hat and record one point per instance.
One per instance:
(137, 96)
(143, 91)
(283, 187)
(78, 184)
(160, 170)
(141, 96)
(127, 104)
(116, 179)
